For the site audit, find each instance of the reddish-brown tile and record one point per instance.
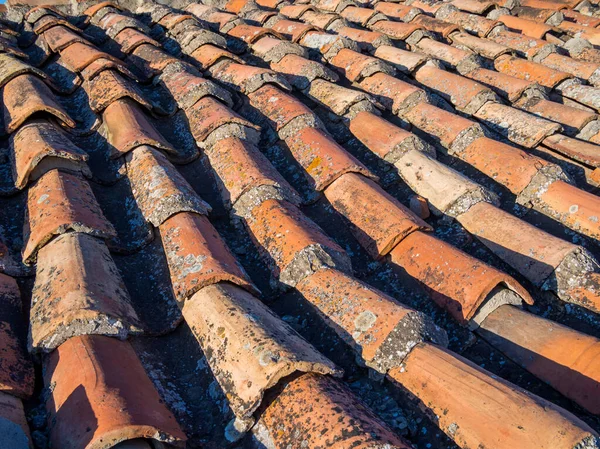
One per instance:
(435, 25)
(531, 71)
(250, 33)
(78, 291)
(50, 21)
(473, 23)
(197, 256)
(101, 395)
(322, 158)
(566, 359)
(57, 203)
(130, 38)
(246, 175)
(150, 59)
(567, 116)
(528, 47)
(300, 71)
(395, 30)
(484, 47)
(399, 11)
(291, 244)
(78, 56)
(208, 55)
(578, 150)
(367, 40)
(16, 375)
(394, 94)
(356, 66)
(127, 128)
(101, 64)
(588, 71)
(16, 434)
(248, 348)
(246, 78)
(108, 86)
(11, 67)
(505, 85)
(113, 23)
(38, 147)
(59, 37)
(475, 407)
(159, 190)
(271, 49)
(462, 60)
(361, 201)
(456, 281)
(403, 60)
(92, 10)
(526, 27)
(315, 411)
(25, 96)
(295, 12)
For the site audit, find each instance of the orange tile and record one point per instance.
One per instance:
(568, 116)
(397, 10)
(250, 33)
(531, 71)
(270, 49)
(361, 201)
(39, 146)
(395, 30)
(453, 56)
(241, 168)
(78, 291)
(394, 94)
(12, 413)
(60, 37)
(291, 244)
(340, 100)
(484, 47)
(529, 47)
(59, 202)
(526, 27)
(566, 359)
(159, 189)
(25, 96)
(17, 374)
(292, 30)
(300, 71)
(322, 159)
(434, 25)
(246, 78)
(316, 411)
(92, 10)
(532, 252)
(507, 165)
(102, 395)
(456, 281)
(78, 56)
(128, 127)
(504, 85)
(579, 150)
(356, 66)
(295, 12)
(476, 408)
(366, 40)
(381, 330)
(101, 64)
(208, 55)
(109, 86)
(248, 348)
(573, 207)
(153, 60)
(198, 257)
(473, 23)
(588, 71)
(130, 38)
(360, 16)
(403, 60)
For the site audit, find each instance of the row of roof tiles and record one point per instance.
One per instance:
(79, 300)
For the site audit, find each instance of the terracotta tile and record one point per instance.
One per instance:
(447, 191)
(435, 25)
(403, 60)
(578, 150)
(159, 190)
(246, 177)
(59, 37)
(92, 10)
(37, 12)
(532, 252)
(356, 66)
(169, 21)
(199, 10)
(78, 291)
(150, 59)
(300, 72)
(101, 64)
(366, 40)
(127, 128)
(526, 27)
(114, 23)
(291, 244)
(11, 67)
(567, 116)
(590, 34)
(234, 6)
(505, 85)
(419, 206)
(220, 20)
(380, 329)
(40, 146)
(250, 33)
(475, 407)
(580, 19)
(472, 23)
(295, 12)
(282, 109)
(396, 30)
(582, 94)
(57, 203)
(507, 165)
(535, 14)
(531, 71)
(78, 56)
(571, 206)
(323, 20)
(246, 78)
(528, 47)
(187, 86)
(518, 126)
(269, 3)
(198, 257)
(333, 6)
(248, 348)
(394, 94)
(397, 10)
(130, 38)
(360, 201)
(17, 375)
(16, 430)
(456, 281)
(462, 60)
(102, 395)
(566, 359)
(483, 47)
(466, 95)
(386, 140)
(25, 96)
(452, 131)
(49, 21)
(322, 158)
(208, 114)
(271, 49)
(260, 16)
(584, 293)
(315, 411)
(341, 100)
(109, 86)
(586, 70)
(361, 16)
(208, 55)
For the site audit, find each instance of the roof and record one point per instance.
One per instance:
(297, 225)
